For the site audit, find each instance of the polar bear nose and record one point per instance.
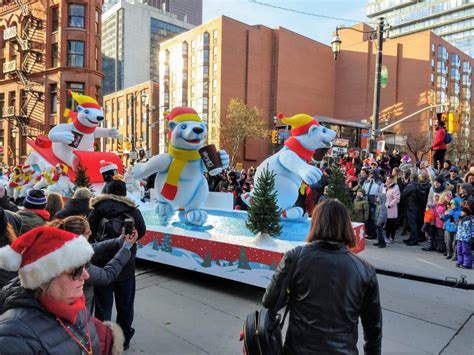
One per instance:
(198, 130)
(100, 118)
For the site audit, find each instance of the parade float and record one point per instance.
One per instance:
(182, 232)
(57, 157)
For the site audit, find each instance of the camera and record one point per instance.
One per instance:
(129, 225)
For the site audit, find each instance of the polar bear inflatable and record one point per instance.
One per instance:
(290, 164)
(81, 132)
(180, 182)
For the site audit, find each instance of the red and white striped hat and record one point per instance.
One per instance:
(44, 253)
(107, 166)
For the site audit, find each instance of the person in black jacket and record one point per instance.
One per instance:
(7, 236)
(79, 205)
(111, 206)
(410, 196)
(5, 202)
(325, 306)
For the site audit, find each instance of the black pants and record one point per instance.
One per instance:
(124, 292)
(391, 229)
(438, 155)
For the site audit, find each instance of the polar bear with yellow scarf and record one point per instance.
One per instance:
(180, 182)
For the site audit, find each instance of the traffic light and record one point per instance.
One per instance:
(452, 122)
(274, 136)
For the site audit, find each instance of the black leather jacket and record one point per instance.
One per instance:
(330, 289)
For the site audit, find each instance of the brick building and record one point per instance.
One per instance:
(46, 49)
(281, 71)
(134, 111)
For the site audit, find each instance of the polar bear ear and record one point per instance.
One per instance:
(172, 125)
(313, 130)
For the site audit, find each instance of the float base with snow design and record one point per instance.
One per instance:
(224, 247)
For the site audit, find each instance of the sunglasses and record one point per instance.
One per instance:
(77, 272)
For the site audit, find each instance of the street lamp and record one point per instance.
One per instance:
(336, 47)
(14, 136)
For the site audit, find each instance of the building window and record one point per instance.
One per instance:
(23, 102)
(96, 58)
(54, 19)
(97, 21)
(215, 34)
(54, 55)
(76, 87)
(53, 98)
(214, 100)
(214, 53)
(77, 16)
(75, 53)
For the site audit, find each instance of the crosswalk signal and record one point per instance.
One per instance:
(274, 136)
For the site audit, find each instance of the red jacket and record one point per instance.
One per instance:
(438, 143)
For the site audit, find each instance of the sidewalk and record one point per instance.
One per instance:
(412, 260)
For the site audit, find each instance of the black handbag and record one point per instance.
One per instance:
(262, 329)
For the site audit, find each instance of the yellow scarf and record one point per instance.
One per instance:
(180, 159)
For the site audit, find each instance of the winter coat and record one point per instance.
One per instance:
(424, 190)
(410, 196)
(395, 160)
(15, 220)
(438, 143)
(26, 327)
(75, 207)
(431, 202)
(451, 220)
(393, 199)
(32, 219)
(325, 306)
(454, 182)
(103, 276)
(360, 210)
(6, 277)
(439, 210)
(7, 205)
(380, 211)
(465, 229)
(372, 188)
(111, 206)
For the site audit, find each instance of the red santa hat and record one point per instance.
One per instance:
(107, 166)
(44, 253)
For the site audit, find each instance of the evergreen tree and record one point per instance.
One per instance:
(243, 260)
(207, 260)
(263, 213)
(82, 179)
(156, 244)
(166, 245)
(338, 189)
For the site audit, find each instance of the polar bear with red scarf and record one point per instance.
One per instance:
(180, 182)
(81, 132)
(290, 164)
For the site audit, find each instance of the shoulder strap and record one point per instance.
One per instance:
(285, 291)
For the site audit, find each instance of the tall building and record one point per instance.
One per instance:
(187, 10)
(453, 20)
(131, 36)
(281, 71)
(46, 49)
(134, 111)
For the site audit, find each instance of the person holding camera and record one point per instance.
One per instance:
(112, 212)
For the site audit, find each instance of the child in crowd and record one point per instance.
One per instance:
(380, 219)
(429, 229)
(439, 209)
(451, 218)
(360, 208)
(464, 235)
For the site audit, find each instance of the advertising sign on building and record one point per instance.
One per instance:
(9, 33)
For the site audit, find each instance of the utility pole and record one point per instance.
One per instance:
(132, 129)
(377, 84)
(147, 125)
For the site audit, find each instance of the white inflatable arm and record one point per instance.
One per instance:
(61, 133)
(291, 161)
(106, 132)
(157, 164)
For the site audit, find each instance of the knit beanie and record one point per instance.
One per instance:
(440, 179)
(44, 253)
(117, 187)
(35, 200)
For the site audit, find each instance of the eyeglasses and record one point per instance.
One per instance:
(77, 272)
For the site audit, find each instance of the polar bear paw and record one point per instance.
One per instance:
(292, 213)
(164, 212)
(196, 217)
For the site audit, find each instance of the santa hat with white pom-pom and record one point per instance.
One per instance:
(107, 166)
(44, 253)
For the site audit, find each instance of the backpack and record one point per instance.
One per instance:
(112, 228)
(447, 138)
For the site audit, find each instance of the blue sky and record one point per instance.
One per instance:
(317, 28)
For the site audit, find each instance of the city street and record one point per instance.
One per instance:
(182, 312)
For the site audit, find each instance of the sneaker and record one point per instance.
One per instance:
(428, 249)
(449, 256)
(412, 243)
(388, 241)
(126, 344)
(376, 244)
(381, 245)
(458, 265)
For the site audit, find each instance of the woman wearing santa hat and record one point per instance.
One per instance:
(44, 312)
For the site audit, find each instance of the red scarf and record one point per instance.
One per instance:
(63, 310)
(295, 146)
(81, 128)
(42, 213)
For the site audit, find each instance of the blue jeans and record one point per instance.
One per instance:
(124, 292)
(370, 225)
(380, 235)
(412, 218)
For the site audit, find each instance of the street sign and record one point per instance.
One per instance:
(148, 154)
(133, 155)
(365, 134)
(338, 151)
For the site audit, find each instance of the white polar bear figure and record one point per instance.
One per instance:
(134, 189)
(29, 180)
(61, 182)
(81, 132)
(180, 182)
(290, 164)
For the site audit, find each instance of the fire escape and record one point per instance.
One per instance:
(20, 69)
